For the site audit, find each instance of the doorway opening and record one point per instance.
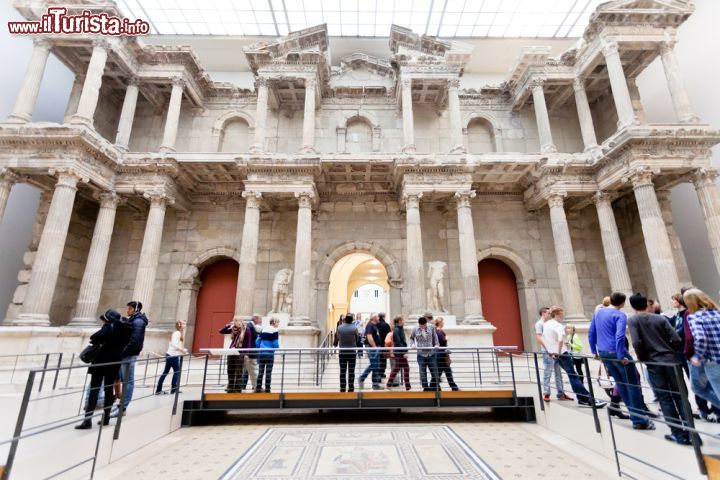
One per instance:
(358, 284)
(215, 303)
(500, 302)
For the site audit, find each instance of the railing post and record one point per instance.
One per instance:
(19, 426)
(614, 444)
(97, 449)
(592, 395)
(687, 416)
(147, 358)
(42, 376)
(177, 390)
(67, 379)
(57, 371)
(512, 371)
(282, 382)
(125, 367)
(202, 392)
(537, 379)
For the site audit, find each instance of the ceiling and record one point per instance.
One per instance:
(366, 18)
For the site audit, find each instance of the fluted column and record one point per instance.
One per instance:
(584, 115)
(91, 88)
(260, 115)
(173, 116)
(612, 246)
(150, 252)
(30, 87)
(680, 99)
(248, 256)
(456, 136)
(709, 198)
(303, 262)
(308, 139)
(636, 100)
(407, 116)
(74, 98)
(187, 296)
(542, 118)
(92, 281)
(415, 267)
(681, 264)
(7, 180)
(127, 115)
(657, 242)
(618, 84)
(46, 267)
(567, 270)
(468, 259)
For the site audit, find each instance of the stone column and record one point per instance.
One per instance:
(709, 198)
(612, 246)
(46, 267)
(542, 118)
(91, 88)
(127, 115)
(173, 116)
(415, 280)
(586, 122)
(567, 271)
(7, 180)
(260, 115)
(308, 138)
(618, 84)
(30, 87)
(248, 256)
(188, 288)
(91, 286)
(303, 262)
(678, 253)
(635, 99)
(657, 243)
(468, 259)
(74, 99)
(407, 117)
(680, 99)
(456, 136)
(150, 252)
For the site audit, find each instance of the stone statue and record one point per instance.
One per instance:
(436, 292)
(287, 306)
(280, 289)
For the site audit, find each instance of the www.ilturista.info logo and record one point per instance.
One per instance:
(56, 20)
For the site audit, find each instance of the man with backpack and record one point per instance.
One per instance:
(346, 339)
(136, 322)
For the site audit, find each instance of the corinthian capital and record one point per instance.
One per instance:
(556, 199)
(463, 198)
(454, 83)
(8, 177)
(578, 84)
(640, 177)
(536, 83)
(252, 199)
(109, 199)
(178, 82)
(603, 198)
(158, 199)
(305, 199)
(411, 200)
(705, 177)
(261, 82)
(609, 47)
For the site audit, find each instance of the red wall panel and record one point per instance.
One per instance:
(500, 304)
(215, 304)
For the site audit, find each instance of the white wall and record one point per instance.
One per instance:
(698, 50)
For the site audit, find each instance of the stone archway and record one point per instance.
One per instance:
(189, 284)
(526, 284)
(324, 269)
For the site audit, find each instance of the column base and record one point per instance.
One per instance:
(458, 149)
(299, 337)
(471, 335)
(548, 148)
(84, 322)
(166, 149)
(80, 120)
(299, 322)
(578, 318)
(122, 148)
(307, 150)
(256, 149)
(408, 149)
(690, 119)
(18, 118)
(32, 320)
(627, 122)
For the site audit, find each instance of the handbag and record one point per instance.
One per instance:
(90, 353)
(606, 382)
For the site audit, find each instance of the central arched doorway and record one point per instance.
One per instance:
(500, 302)
(358, 284)
(215, 303)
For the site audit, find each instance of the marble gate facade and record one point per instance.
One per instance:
(158, 170)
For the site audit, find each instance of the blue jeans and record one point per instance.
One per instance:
(428, 362)
(373, 367)
(265, 368)
(130, 361)
(550, 366)
(705, 381)
(174, 363)
(566, 363)
(628, 383)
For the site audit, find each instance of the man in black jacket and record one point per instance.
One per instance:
(656, 341)
(136, 322)
(384, 328)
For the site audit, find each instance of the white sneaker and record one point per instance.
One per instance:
(712, 417)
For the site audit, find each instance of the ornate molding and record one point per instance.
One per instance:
(463, 198)
(305, 199)
(705, 177)
(556, 199)
(411, 200)
(109, 199)
(640, 177)
(252, 199)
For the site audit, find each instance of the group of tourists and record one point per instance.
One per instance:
(255, 356)
(385, 344)
(120, 339)
(687, 340)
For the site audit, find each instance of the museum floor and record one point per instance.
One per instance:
(423, 445)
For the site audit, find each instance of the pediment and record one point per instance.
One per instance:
(300, 46)
(627, 6)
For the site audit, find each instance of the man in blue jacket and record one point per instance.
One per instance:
(136, 322)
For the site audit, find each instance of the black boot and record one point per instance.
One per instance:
(85, 425)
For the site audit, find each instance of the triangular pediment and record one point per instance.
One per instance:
(301, 45)
(656, 5)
